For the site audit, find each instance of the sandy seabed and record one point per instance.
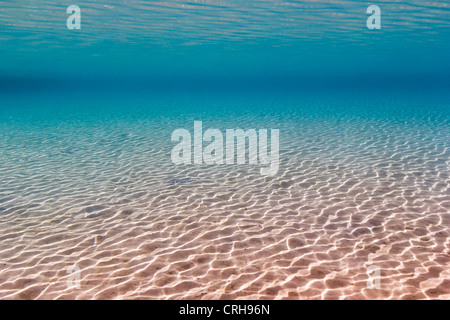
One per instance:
(350, 194)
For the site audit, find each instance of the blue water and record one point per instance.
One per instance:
(223, 38)
(86, 118)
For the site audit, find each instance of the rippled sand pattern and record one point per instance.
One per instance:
(351, 192)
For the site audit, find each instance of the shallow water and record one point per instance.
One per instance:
(360, 183)
(87, 181)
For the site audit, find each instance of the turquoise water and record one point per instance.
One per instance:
(87, 180)
(231, 39)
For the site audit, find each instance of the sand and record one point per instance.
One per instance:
(352, 192)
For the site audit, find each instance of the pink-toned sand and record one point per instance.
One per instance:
(202, 240)
(138, 227)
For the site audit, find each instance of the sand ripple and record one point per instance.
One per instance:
(351, 192)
